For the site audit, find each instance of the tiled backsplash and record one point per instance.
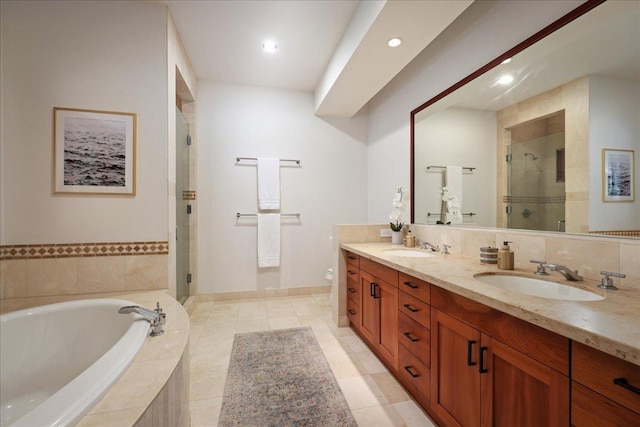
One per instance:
(83, 268)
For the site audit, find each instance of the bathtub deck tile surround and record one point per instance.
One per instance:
(130, 397)
(213, 325)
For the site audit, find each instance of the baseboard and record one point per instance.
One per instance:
(267, 293)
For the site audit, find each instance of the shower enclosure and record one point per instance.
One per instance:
(183, 208)
(536, 187)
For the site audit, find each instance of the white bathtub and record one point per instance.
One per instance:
(58, 360)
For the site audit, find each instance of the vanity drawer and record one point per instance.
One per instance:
(380, 271)
(354, 314)
(415, 338)
(353, 273)
(598, 370)
(415, 287)
(415, 309)
(353, 290)
(353, 259)
(591, 409)
(414, 375)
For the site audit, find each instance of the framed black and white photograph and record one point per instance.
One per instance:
(618, 175)
(94, 151)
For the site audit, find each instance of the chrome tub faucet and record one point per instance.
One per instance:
(157, 318)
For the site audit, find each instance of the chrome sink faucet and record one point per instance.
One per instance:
(156, 317)
(427, 245)
(569, 274)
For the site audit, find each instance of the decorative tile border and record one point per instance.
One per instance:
(69, 250)
(516, 199)
(622, 233)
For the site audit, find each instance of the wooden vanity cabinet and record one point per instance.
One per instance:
(379, 322)
(605, 390)
(492, 369)
(354, 294)
(414, 337)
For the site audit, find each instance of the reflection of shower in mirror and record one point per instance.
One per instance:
(533, 156)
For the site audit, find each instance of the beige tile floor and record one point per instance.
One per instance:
(374, 396)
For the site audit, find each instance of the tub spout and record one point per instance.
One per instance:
(156, 317)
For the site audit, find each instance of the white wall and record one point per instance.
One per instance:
(90, 55)
(614, 122)
(440, 140)
(482, 33)
(328, 188)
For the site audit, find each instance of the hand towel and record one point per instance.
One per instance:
(268, 240)
(268, 183)
(453, 178)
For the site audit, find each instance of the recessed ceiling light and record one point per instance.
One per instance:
(506, 61)
(269, 46)
(394, 42)
(505, 79)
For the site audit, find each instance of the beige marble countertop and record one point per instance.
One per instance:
(611, 325)
(150, 370)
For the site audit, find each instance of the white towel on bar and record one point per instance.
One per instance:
(268, 240)
(268, 183)
(453, 179)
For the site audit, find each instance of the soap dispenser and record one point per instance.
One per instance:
(505, 257)
(409, 240)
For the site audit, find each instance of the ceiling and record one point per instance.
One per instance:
(336, 49)
(602, 42)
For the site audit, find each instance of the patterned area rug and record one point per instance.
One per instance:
(281, 378)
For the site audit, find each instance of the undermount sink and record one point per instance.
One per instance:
(537, 287)
(408, 253)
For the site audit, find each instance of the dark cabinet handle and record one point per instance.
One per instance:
(470, 352)
(351, 257)
(371, 291)
(411, 309)
(413, 374)
(351, 312)
(352, 290)
(482, 369)
(351, 272)
(375, 293)
(411, 285)
(412, 339)
(622, 382)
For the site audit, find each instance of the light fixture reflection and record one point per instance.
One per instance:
(505, 79)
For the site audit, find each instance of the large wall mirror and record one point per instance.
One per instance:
(545, 137)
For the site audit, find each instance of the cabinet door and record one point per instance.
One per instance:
(518, 391)
(387, 296)
(369, 325)
(455, 378)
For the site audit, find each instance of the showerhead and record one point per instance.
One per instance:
(533, 156)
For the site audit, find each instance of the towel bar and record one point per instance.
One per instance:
(238, 215)
(470, 169)
(255, 158)
(464, 214)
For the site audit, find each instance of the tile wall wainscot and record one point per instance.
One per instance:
(589, 255)
(56, 270)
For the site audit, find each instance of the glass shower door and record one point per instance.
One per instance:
(182, 208)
